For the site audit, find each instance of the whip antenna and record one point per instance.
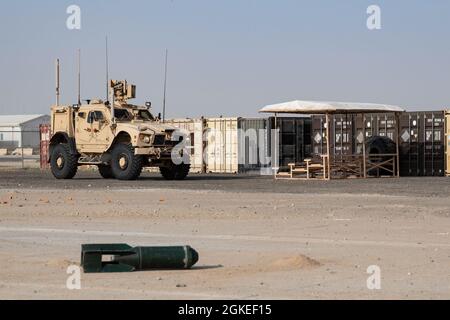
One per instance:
(165, 88)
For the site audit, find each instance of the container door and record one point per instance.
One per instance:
(318, 136)
(447, 142)
(222, 145)
(433, 143)
(410, 160)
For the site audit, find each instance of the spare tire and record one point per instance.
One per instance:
(380, 145)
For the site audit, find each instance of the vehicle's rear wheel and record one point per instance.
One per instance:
(125, 165)
(175, 172)
(63, 163)
(105, 171)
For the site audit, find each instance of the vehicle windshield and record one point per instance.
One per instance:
(145, 115)
(122, 114)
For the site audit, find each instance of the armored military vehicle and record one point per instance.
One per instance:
(118, 137)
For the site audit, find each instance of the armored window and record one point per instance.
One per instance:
(95, 116)
(121, 114)
(145, 115)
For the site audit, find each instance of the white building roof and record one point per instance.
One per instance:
(17, 120)
(321, 107)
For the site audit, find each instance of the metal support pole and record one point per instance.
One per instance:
(397, 123)
(21, 145)
(276, 146)
(328, 166)
(364, 145)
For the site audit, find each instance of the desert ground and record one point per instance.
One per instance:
(257, 238)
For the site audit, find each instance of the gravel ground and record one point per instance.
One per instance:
(257, 238)
(420, 186)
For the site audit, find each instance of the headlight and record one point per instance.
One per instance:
(145, 138)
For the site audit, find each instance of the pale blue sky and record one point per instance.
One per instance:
(229, 57)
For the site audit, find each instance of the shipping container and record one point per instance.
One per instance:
(421, 138)
(193, 129)
(342, 131)
(294, 139)
(447, 144)
(422, 143)
(235, 145)
(375, 124)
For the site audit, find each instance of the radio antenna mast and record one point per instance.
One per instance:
(107, 67)
(57, 81)
(165, 88)
(79, 77)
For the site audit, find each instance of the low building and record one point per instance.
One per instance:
(21, 131)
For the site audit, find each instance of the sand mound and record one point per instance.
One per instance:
(59, 263)
(294, 262)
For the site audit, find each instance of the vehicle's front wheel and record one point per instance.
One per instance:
(175, 172)
(125, 165)
(63, 163)
(105, 171)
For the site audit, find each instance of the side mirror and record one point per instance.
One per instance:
(148, 104)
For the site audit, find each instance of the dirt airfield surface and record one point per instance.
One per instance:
(257, 238)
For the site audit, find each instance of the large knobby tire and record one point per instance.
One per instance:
(380, 145)
(175, 172)
(105, 171)
(125, 165)
(63, 163)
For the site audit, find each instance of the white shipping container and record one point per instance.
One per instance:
(222, 145)
(236, 145)
(226, 145)
(193, 129)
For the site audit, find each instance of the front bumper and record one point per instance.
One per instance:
(150, 151)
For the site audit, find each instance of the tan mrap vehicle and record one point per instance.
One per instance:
(118, 137)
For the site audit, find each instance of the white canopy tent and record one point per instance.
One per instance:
(328, 108)
(324, 107)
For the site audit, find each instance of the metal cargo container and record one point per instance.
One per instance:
(294, 140)
(253, 144)
(422, 144)
(421, 139)
(376, 124)
(194, 130)
(342, 130)
(235, 144)
(447, 143)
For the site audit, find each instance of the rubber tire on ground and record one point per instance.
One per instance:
(134, 166)
(175, 172)
(70, 162)
(380, 145)
(105, 171)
